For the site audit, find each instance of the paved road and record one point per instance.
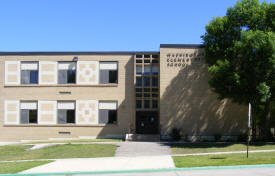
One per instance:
(132, 149)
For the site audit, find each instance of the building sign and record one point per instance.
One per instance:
(182, 59)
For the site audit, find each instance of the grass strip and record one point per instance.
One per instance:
(224, 160)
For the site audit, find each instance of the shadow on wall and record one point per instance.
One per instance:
(189, 105)
(125, 110)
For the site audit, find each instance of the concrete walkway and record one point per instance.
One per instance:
(132, 149)
(105, 164)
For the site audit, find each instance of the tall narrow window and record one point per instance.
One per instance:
(108, 112)
(138, 69)
(28, 112)
(138, 81)
(147, 70)
(155, 82)
(146, 82)
(29, 72)
(108, 72)
(66, 112)
(155, 70)
(66, 72)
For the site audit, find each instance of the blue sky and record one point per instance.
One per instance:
(104, 25)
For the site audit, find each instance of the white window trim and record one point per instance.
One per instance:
(108, 65)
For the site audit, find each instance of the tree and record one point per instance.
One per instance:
(240, 53)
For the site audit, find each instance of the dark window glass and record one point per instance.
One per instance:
(155, 90)
(146, 95)
(28, 116)
(33, 77)
(154, 81)
(138, 89)
(146, 104)
(146, 56)
(138, 61)
(146, 61)
(112, 116)
(146, 82)
(146, 89)
(154, 95)
(32, 116)
(155, 61)
(138, 95)
(138, 81)
(138, 104)
(155, 56)
(138, 56)
(155, 104)
(66, 116)
(113, 76)
(70, 76)
(29, 77)
(70, 116)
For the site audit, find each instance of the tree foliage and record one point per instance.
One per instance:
(240, 52)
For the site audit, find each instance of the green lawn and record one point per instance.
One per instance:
(224, 160)
(18, 152)
(10, 168)
(187, 148)
(75, 141)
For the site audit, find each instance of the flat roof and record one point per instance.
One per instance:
(181, 46)
(27, 53)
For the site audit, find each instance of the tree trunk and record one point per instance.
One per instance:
(267, 114)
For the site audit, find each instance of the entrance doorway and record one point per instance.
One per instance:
(147, 122)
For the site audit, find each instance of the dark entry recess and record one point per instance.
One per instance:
(147, 122)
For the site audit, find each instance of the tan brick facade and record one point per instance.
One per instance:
(186, 101)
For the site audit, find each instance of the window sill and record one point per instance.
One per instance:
(64, 85)
(61, 125)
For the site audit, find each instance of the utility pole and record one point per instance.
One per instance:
(248, 131)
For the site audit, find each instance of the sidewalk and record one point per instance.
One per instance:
(105, 164)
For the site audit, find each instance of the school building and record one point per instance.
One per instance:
(46, 95)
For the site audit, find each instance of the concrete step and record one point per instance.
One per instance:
(143, 137)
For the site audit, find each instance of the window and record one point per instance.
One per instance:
(66, 72)
(146, 104)
(138, 70)
(138, 81)
(155, 70)
(107, 112)
(147, 70)
(65, 112)
(28, 112)
(146, 82)
(29, 72)
(138, 104)
(108, 72)
(155, 82)
(155, 104)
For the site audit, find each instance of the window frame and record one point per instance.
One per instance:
(57, 113)
(99, 112)
(67, 72)
(29, 72)
(20, 114)
(109, 70)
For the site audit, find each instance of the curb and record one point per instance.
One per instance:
(146, 170)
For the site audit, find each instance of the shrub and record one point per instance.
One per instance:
(217, 137)
(176, 134)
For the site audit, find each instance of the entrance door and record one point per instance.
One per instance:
(147, 122)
